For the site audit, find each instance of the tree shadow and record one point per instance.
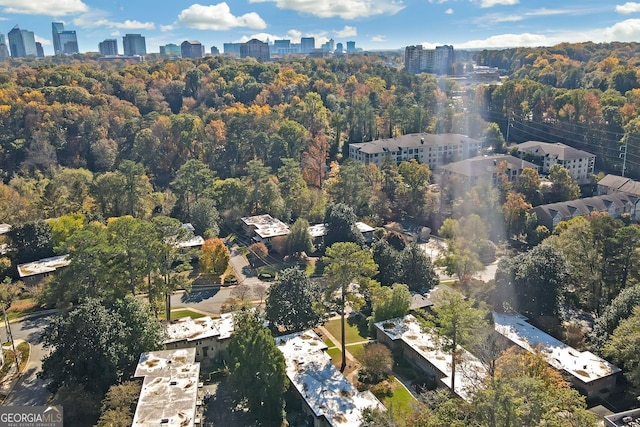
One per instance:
(198, 296)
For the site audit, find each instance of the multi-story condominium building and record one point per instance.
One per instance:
(434, 150)
(134, 44)
(579, 163)
(255, 48)
(109, 47)
(485, 169)
(307, 44)
(170, 49)
(191, 49)
(420, 60)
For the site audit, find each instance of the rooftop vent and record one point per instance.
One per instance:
(421, 140)
(164, 421)
(173, 383)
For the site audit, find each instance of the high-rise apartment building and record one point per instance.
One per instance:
(134, 44)
(255, 48)
(351, 47)
(191, 49)
(215, 50)
(64, 42)
(109, 47)
(307, 44)
(436, 61)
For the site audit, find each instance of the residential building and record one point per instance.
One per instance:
(589, 374)
(209, 337)
(417, 59)
(32, 272)
(351, 47)
(134, 44)
(169, 394)
(263, 228)
(318, 231)
(307, 44)
(171, 49)
(339, 49)
(614, 204)
(329, 46)
(433, 150)
(485, 169)
(191, 49)
(109, 47)
(16, 43)
(231, 48)
(255, 48)
(579, 163)
(325, 394)
(611, 184)
(215, 50)
(420, 348)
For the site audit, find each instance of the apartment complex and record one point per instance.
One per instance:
(579, 163)
(486, 169)
(433, 150)
(417, 59)
(109, 47)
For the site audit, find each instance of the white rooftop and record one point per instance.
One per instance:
(4, 228)
(319, 230)
(266, 226)
(188, 329)
(469, 371)
(195, 241)
(169, 390)
(45, 265)
(327, 392)
(583, 365)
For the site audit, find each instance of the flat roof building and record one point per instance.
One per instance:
(134, 44)
(169, 393)
(191, 49)
(208, 336)
(590, 374)
(623, 419)
(262, 228)
(327, 395)
(35, 270)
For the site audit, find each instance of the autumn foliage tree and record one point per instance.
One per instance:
(215, 256)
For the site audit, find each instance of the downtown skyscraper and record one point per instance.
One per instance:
(64, 42)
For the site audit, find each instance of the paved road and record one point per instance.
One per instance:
(30, 390)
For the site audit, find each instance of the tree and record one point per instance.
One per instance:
(622, 347)
(563, 187)
(388, 260)
(31, 241)
(341, 225)
(416, 269)
(119, 404)
(515, 210)
(529, 185)
(533, 283)
(460, 260)
(205, 218)
(619, 308)
(345, 263)
(376, 361)
(299, 239)
(455, 323)
(258, 253)
(389, 303)
(136, 187)
(258, 371)
(215, 256)
(492, 137)
(293, 302)
(96, 346)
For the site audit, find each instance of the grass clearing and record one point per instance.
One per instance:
(9, 358)
(20, 308)
(356, 350)
(183, 312)
(336, 354)
(353, 334)
(401, 402)
(329, 343)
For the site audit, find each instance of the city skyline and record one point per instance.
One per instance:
(372, 24)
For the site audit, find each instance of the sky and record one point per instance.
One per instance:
(372, 24)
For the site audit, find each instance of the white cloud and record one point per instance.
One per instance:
(293, 35)
(92, 21)
(345, 9)
(378, 39)
(42, 40)
(449, 11)
(507, 40)
(218, 17)
(628, 8)
(347, 31)
(166, 27)
(624, 31)
(508, 18)
(44, 7)
(491, 3)
(115, 33)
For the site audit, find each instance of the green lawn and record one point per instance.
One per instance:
(401, 402)
(335, 354)
(356, 350)
(10, 360)
(351, 331)
(22, 307)
(329, 343)
(183, 312)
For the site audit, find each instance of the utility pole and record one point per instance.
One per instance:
(623, 154)
(508, 125)
(10, 338)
